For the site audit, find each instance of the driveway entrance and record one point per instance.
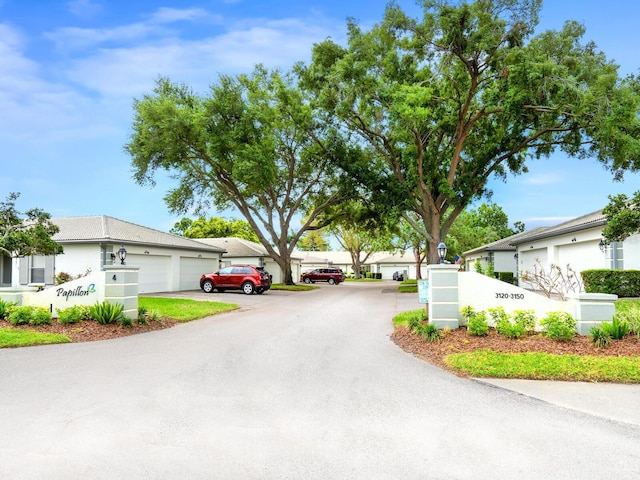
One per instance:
(292, 386)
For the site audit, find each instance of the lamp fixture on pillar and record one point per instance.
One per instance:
(122, 254)
(442, 251)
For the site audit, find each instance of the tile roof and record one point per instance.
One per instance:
(506, 244)
(585, 222)
(102, 228)
(236, 247)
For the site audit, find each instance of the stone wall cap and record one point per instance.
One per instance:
(593, 296)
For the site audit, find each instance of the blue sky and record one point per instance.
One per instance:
(69, 71)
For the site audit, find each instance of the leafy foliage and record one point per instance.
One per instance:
(623, 217)
(599, 337)
(27, 314)
(559, 325)
(73, 314)
(5, 308)
(256, 142)
(616, 329)
(214, 227)
(106, 313)
(28, 233)
(465, 92)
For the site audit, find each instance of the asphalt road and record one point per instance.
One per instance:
(292, 386)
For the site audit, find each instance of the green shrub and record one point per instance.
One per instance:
(106, 313)
(40, 316)
(559, 325)
(477, 266)
(624, 283)
(525, 318)
(510, 330)
(69, 315)
(155, 315)
(20, 315)
(616, 329)
(125, 321)
(429, 332)
(599, 337)
(478, 324)
(507, 277)
(6, 307)
(497, 315)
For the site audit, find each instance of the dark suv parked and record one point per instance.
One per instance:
(247, 278)
(331, 275)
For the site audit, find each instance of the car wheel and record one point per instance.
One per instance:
(248, 288)
(207, 286)
(331, 281)
(307, 280)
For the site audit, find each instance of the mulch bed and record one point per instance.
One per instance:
(89, 331)
(459, 341)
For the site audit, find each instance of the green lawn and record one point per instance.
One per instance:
(544, 366)
(184, 310)
(301, 287)
(26, 338)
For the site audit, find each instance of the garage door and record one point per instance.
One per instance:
(154, 274)
(191, 269)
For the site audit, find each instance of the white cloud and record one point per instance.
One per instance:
(170, 15)
(84, 8)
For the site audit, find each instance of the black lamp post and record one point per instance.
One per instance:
(122, 254)
(442, 251)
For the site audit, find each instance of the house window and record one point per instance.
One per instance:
(37, 269)
(614, 257)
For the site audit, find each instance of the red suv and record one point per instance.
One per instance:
(247, 278)
(331, 275)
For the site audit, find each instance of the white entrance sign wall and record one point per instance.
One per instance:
(451, 290)
(482, 292)
(114, 284)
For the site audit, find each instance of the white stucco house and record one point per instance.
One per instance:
(167, 262)
(241, 251)
(576, 243)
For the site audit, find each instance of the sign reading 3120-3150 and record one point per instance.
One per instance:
(510, 296)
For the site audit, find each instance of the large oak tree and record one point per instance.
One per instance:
(255, 142)
(466, 92)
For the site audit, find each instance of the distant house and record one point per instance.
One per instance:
(167, 262)
(241, 251)
(384, 263)
(502, 253)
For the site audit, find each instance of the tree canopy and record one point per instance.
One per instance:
(476, 227)
(623, 217)
(464, 93)
(256, 142)
(26, 233)
(214, 227)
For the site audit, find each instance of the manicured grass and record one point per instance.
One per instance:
(24, 338)
(302, 287)
(408, 289)
(544, 366)
(404, 318)
(184, 310)
(363, 280)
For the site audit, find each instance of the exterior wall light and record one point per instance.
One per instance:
(601, 245)
(442, 251)
(122, 254)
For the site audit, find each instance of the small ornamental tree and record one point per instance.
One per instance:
(26, 233)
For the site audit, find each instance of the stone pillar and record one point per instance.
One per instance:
(121, 286)
(443, 295)
(591, 309)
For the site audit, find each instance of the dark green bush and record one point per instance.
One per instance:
(616, 329)
(624, 283)
(507, 277)
(599, 337)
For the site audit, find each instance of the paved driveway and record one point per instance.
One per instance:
(292, 386)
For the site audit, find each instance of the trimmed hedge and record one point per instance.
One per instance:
(624, 283)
